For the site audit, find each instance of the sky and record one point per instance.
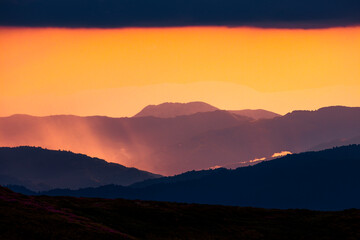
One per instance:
(115, 57)
(116, 72)
(165, 13)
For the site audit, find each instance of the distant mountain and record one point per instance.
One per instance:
(42, 217)
(190, 142)
(133, 142)
(324, 180)
(167, 110)
(255, 113)
(296, 132)
(41, 169)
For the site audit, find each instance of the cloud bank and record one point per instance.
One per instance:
(170, 13)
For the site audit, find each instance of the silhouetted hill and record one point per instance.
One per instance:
(256, 113)
(187, 176)
(325, 180)
(41, 169)
(42, 217)
(175, 145)
(167, 110)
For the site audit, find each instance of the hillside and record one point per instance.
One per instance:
(324, 180)
(42, 169)
(42, 217)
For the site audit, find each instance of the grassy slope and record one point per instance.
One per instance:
(42, 217)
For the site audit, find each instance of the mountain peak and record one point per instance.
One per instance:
(170, 109)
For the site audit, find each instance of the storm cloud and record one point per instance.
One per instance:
(168, 13)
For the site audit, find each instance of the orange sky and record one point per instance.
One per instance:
(117, 71)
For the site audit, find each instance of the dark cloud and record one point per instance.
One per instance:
(162, 13)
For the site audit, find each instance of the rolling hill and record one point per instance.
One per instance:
(324, 180)
(42, 169)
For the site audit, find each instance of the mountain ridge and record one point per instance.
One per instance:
(171, 146)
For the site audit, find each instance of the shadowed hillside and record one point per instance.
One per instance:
(324, 180)
(42, 217)
(41, 169)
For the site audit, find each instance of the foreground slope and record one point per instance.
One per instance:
(42, 169)
(41, 217)
(324, 180)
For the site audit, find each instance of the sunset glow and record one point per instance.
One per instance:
(47, 63)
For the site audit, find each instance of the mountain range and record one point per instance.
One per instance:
(174, 145)
(323, 180)
(42, 169)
